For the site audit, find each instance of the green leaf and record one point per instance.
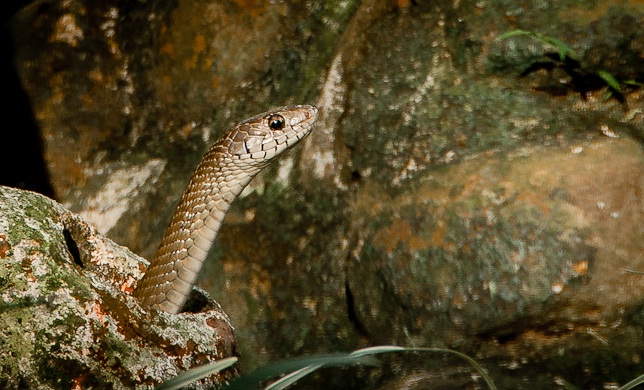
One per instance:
(195, 374)
(514, 33)
(293, 377)
(488, 380)
(631, 385)
(609, 79)
(376, 350)
(634, 83)
(298, 368)
(299, 374)
(393, 348)
(250, 381)
(563, 49)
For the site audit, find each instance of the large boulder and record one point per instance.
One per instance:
(458, 191)
(66, 314)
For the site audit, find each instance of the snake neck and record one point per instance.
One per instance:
(178, 260)
(220, 177)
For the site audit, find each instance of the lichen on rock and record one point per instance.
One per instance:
(66, 314)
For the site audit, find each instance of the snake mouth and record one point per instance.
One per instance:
(310, 116)
(304, 121)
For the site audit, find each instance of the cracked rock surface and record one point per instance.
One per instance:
(66, 314)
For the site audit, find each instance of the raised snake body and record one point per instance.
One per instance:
(220, 177)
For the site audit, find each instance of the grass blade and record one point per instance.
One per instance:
(631, 385)
(293, 377)
(195, 374)
(609, 79)
(298, 368)
(514, 33)
(488, 380)
(299, 374)
(633, 83)
(377, 349)
(251, 380)
(563, 49)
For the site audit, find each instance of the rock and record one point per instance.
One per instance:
(501, 242)
(521, 256)
(66, 315)
(459, 191)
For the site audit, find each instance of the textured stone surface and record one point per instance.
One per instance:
(458, 191)
(66, 316)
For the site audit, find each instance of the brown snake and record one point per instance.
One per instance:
(220, 177)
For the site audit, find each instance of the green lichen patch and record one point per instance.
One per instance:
(67, 322)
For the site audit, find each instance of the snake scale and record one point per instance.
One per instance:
(222, 174)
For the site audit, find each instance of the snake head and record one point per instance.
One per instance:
(220, 177)
(262, 137)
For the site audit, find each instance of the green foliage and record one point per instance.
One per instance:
(196, 374)
(298, 368)
(610, 80)
(290, 379)
(631, 385)
(566, 52)
(563, 49)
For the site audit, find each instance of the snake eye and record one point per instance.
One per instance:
(276, 122)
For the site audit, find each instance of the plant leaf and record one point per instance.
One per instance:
(301, 367)
(377, 349)
(301, 373)
(610, 80)
(607, 95)
(562, 48)
(514, 33)
(293, 377)
(488, 380)
(634, 83)
(631, 385)
(250, 381)
(197, 373)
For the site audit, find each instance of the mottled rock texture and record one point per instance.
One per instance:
(66, 315)
(458, 191)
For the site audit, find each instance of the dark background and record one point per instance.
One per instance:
(21, 158)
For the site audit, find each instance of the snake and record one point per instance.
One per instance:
(225, 170)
